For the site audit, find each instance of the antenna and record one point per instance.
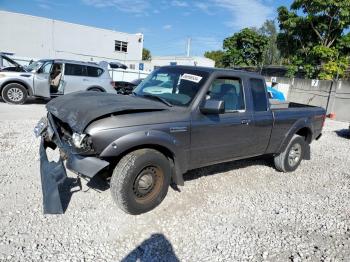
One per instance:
(188, 46)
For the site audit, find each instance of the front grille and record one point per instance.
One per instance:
(63, 129)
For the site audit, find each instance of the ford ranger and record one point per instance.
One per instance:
(179, 118)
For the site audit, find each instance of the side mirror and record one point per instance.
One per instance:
(213, 107)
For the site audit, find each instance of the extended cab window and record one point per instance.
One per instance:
(259, 94)
(94, 71)
(228, 90)
(75, 70)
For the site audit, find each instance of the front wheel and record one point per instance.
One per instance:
(14, 94)
(290, 158)
(140, 181)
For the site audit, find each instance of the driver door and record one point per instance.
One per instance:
(42, 81)
(222, 137)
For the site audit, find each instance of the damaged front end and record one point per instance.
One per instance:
(73, 149)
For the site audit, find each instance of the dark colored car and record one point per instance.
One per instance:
(179, 118)
(126, 88)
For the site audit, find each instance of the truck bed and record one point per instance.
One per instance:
(276, 104)
(288, 115)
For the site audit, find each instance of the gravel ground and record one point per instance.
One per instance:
(239, 211)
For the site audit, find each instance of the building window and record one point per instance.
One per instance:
(121, 46)
(132, 66)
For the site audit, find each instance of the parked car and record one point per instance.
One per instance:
(50, 78)
(117, 65)
(150, 138)
(138, 81)
(126, 88)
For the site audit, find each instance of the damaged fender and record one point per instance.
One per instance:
(152, 137)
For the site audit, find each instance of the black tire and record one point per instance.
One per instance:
(14, 94)
(95, 89)
(140, 181)
(284, 161)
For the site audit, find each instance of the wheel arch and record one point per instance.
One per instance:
(96, 87)
(305, 132)
(11, 81)
(302, 128)
(157, 140)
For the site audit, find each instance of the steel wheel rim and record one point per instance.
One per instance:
(148, 184)
(294, 155)
(15, 94)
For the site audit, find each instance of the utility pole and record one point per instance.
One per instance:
(188, 46)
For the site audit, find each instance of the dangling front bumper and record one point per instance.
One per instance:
(53, 174)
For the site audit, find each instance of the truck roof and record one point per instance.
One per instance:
(215, 69)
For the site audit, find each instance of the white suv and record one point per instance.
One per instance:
(50, 78)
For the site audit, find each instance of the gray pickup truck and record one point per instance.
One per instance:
(179, 118)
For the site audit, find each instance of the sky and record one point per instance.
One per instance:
(166, 25)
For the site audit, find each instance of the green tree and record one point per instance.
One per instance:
(146, 54)
(327, 18)
(217, 56)
(312, 37)
(245, 48)
(334, 69)
(343, 44)
(272, 54)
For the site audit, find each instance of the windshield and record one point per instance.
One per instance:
(178, 86)
(34, 66)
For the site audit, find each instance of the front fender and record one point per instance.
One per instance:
(26, 83)
(151, 138)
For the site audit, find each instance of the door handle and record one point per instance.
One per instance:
(84, 79)
(245, 121)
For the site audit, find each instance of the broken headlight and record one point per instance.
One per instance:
(82, 142)
(78, 140)
(41, 127)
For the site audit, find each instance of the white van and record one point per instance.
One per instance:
(50, 78)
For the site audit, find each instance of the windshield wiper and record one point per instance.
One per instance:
(158, 98)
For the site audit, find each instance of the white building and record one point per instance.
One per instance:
(29, 37)
(158, 61)
(140, 69)
(182, 60)
(37, 37)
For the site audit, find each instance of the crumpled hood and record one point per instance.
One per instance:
(79, 109)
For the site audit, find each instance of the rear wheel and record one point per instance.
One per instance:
(140, 181)
(14, 94)
(290, 158)
(96, 89)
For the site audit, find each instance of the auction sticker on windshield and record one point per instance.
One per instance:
(192, 78)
